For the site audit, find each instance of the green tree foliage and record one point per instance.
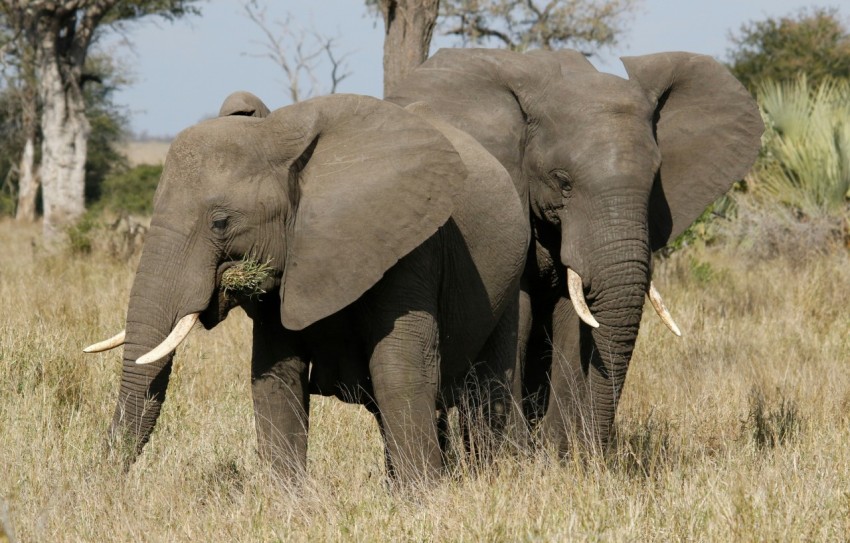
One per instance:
(130, 190)
(11, 145)
(814, 42)
(108, 123)
(805, 162)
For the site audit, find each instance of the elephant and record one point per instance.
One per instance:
(610, 169)
(396, 245)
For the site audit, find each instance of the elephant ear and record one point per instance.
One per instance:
(371, 183)
(483, 92)
(708, 129)
(243, 103)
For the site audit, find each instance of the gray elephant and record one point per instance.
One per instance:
(396, 251)
(611, 170)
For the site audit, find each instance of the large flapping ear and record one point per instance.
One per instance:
(243, 103)
(371, 182)
(708, 129)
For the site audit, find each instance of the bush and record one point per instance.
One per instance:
(130, 191)
(762, 229)
(805, 162)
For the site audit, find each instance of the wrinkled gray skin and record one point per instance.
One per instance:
(611, 170)
(397, 249)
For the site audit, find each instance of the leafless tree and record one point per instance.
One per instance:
(586, 25)
(298, 52)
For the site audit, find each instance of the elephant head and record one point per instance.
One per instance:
(611, 169)
(330, 193)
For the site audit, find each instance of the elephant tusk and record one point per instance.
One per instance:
(115, 341)
(576, 289)
(181, 330)
(661, 309)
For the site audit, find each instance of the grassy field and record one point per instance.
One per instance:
(737, 431)
(144, 152)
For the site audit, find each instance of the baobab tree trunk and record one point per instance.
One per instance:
(27, 182)
(65, 130)
(409, 26)
(27, 175)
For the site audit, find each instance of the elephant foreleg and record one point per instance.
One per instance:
(570, 417)
(520, 421)
(279, 384)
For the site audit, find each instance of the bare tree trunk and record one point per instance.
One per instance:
(65, 130)
(27, 182)
(409, 25)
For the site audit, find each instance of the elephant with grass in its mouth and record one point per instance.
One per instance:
(393, 250)
(610, 169)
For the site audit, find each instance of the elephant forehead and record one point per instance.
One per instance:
(598, 94)
(229, 137)
(209, 147)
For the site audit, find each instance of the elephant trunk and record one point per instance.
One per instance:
(618, 288)
(158, 298)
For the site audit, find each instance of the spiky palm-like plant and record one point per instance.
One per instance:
(805, 160)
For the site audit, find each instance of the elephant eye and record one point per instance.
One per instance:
(563, 179)
(218, 225)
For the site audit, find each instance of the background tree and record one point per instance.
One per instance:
(21, 135)
(60, 33)
(299, 53)
(812, 42)
(523, 24)
(586, 25)
(408, 28)
(108, 122)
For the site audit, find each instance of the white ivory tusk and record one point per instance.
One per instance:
(115, 341)
(181, 330)
(661, 309)
(576, 289)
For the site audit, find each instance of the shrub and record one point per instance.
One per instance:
(762, 229)
(805, 162)
(130, 191)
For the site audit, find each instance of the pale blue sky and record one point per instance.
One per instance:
(183, 70)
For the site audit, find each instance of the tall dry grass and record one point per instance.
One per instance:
(737, 431)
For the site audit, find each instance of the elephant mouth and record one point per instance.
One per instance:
(245, 291)
(576, 291)
(221, 301)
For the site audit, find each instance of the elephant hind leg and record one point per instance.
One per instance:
(488, 402)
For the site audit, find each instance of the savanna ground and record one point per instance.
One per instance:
(737, 431)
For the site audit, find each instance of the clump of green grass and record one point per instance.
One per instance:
(247, 277)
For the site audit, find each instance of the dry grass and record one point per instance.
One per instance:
(738, 431)
(145, 152)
